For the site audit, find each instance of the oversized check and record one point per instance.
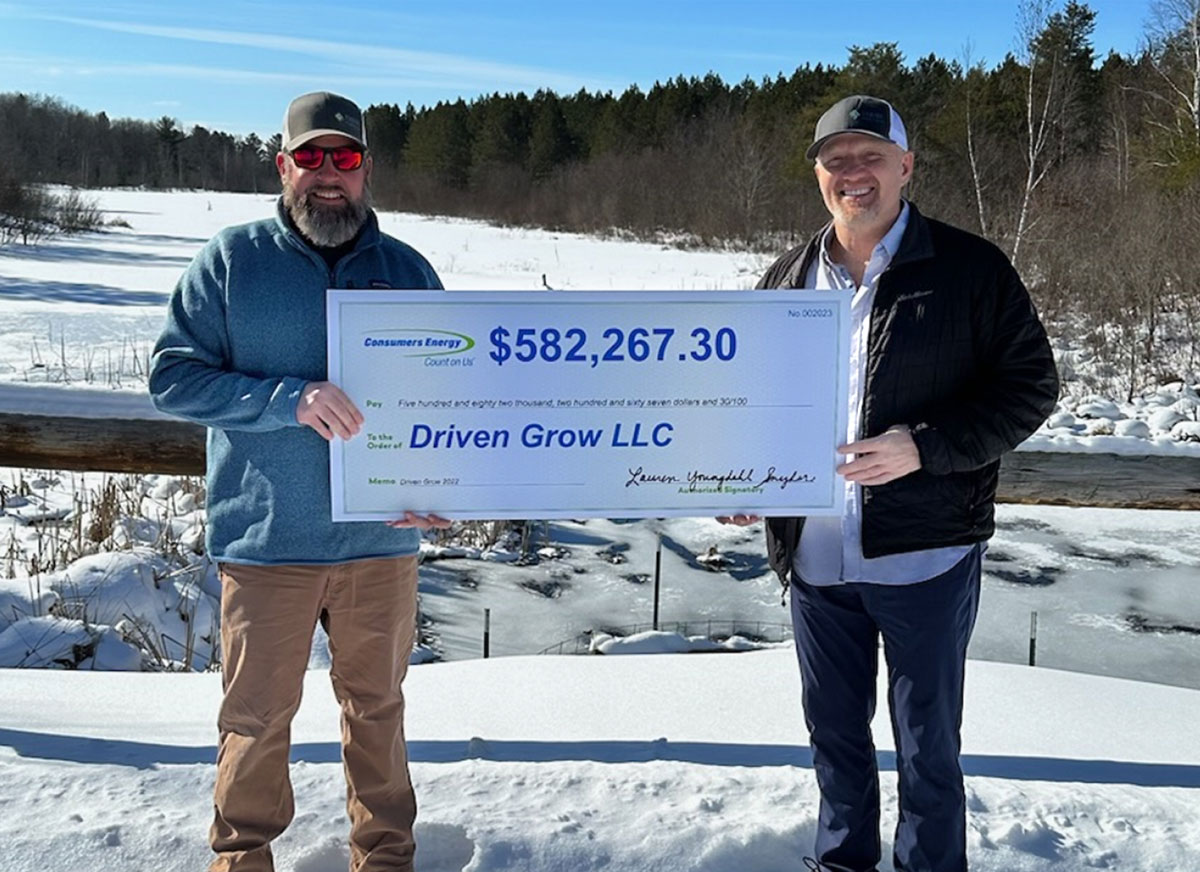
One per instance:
(552, 404)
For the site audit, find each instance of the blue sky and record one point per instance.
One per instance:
(234, 64)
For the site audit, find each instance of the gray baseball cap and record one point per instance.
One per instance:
(869, 116)
(321, 113)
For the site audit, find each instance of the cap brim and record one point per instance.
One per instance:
(815, 148)
(309, 135)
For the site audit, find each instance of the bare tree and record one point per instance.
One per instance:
(748, 167)
(1119, 138)
(25, 211)
(1173, 34)
(1044, 106)
(972, 72)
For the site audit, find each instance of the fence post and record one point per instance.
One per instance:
(487, 633)
(657, 576)
(1033, 638)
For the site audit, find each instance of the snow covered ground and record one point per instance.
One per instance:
(631, 763)
(85, 310)
(660, 763)
(1114, 591)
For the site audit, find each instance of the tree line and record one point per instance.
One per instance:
(1084, 169)
(65, 145)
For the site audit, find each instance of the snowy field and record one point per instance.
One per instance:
(85, 310)
(557, 764)
(664, 763)
(1114, 591)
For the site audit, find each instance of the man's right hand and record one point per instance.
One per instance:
(325, 408)
(739, 520)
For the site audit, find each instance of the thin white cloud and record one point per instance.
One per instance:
(230, 75)
(434, 68)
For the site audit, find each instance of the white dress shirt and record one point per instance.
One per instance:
(830, 549)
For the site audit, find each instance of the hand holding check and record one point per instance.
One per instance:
(877, 461)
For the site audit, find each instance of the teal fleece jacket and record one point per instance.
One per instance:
(245, 332)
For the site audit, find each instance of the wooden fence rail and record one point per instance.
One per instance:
(101, 444)
(177, 447)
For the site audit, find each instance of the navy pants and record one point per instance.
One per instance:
(925, 629)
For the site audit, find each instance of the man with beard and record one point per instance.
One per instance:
(244, 353)
(949, 369)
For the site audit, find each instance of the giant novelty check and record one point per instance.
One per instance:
(553, 404)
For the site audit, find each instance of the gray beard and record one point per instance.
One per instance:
(323, 225)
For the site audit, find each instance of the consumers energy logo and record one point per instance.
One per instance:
(419, 342)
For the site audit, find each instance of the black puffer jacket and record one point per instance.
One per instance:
(956, 352)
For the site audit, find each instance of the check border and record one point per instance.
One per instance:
(769, 366)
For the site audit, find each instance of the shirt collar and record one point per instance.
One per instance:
(891, 239)
(890, 242)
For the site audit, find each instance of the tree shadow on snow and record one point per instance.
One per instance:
(144, 755)
(74, 292)
(162, 238)
(105, 256)
(561, 535)
(738, 565)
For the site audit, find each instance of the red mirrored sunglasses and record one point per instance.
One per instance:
(345, 157)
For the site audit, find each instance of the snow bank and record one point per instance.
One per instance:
(657, 642)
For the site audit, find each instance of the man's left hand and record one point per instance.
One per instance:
(881, 459)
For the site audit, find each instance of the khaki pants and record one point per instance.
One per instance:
(268, 614)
